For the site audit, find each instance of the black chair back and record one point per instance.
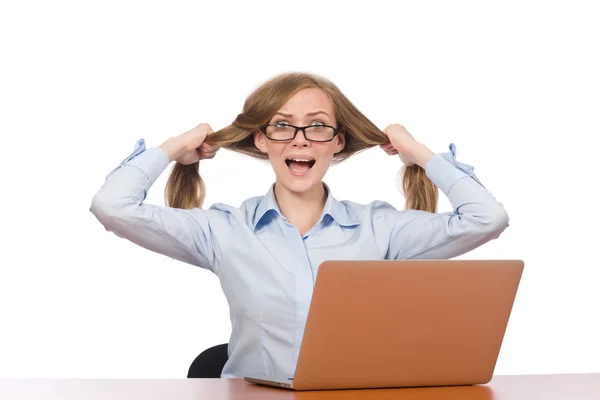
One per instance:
(209, 363)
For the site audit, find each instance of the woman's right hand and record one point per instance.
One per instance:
(189, 147)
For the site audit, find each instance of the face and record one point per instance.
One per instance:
(301, 164)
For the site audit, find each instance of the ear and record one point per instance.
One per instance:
(260, 141)
(340, 140)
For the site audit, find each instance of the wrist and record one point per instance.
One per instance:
(421, 154)
(172, 148)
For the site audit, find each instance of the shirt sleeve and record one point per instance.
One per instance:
(477, 217)
(184, 235)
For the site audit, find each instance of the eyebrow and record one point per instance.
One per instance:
(311, 114)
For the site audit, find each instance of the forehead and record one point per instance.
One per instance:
(308, 100)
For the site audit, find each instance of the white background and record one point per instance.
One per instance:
(515, 85)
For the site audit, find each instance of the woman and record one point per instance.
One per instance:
(267, 252)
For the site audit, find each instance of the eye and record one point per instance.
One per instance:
(281, 124)
(318, 123)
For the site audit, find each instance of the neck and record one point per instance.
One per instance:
(301, 209)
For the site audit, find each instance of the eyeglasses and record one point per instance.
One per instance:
(285, 132)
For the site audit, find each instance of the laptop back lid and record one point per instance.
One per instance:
(406, 323)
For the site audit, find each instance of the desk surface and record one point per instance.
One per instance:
(518, 387)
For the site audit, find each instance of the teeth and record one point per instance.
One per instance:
(300, 160)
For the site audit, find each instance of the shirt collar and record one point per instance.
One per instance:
(268, 208)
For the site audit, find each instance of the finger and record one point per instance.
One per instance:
(205, 126)
(209, 154)
(391, 151)
(204, 151)
(207, 147)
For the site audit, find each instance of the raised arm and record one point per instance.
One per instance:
(477, 217)
(185, 235)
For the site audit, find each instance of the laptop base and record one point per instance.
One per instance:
(279, 383)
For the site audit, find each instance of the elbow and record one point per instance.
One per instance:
(103, 208)
(496, 222)
(107, 210)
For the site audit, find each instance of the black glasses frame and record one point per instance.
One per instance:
(263, 129)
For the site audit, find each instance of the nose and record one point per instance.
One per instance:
(300, 140)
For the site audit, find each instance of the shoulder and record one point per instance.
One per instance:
(368, 211)
(244, 213)
(381, 212)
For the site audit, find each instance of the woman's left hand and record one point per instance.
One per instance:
(404, 144)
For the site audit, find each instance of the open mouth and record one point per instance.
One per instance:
(299, 165)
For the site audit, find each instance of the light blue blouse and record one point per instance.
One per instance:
(266, 268)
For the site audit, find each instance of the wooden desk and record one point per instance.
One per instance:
(520, 387)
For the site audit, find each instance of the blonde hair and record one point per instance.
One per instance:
(185, 188)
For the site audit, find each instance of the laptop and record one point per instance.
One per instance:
(409, 323)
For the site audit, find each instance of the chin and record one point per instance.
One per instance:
(296, 186)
